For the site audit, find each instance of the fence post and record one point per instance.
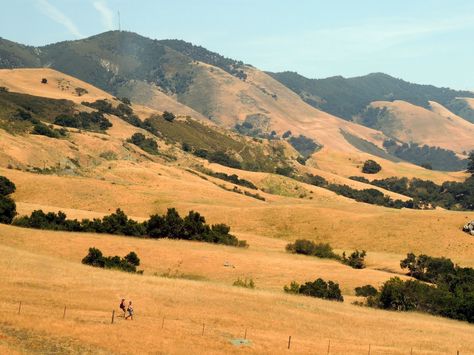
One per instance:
(369, 349)
(245, 336)
(19, 308)
(163, 322)
(203, 325)
(411, 351)
(113, 316)
(64, 314)
(289, 341)
(329, 346)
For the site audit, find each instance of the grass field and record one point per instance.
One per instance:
(44, 274)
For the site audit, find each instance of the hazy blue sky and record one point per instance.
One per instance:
(424, 41)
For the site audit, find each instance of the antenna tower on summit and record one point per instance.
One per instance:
(119, 27)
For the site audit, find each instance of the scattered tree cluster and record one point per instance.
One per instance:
(426, 156)
(39, 127)
(230, 178)
(128, 263)
(426, 194)
(304, 145)
(171, 225)
(441, 288)
(371, 196)
(93, 121)
(7, 205)
(318, 288)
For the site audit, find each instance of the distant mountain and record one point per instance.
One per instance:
(191, 80)
(348, 97)
(151, 72)
(110, 59)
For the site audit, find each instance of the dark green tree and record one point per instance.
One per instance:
(470, 163)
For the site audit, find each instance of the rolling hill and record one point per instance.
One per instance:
(254, 184)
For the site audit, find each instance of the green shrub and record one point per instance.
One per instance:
(366, 291)
(360, 179)
(95, 258)
(304, 145)
(7, 209)
(318, 288)
(247, 283)
(356, 260)
(6, 186)
(149, 145)
(223, 158)
(168, 116)
(84, 120)
(371, 167)
(285, 170)
(294, 288)
(308, 247)
(42, 130)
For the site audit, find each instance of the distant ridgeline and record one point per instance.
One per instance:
(348, 97)
(167, 63)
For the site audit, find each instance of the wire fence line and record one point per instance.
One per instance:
(238, 335)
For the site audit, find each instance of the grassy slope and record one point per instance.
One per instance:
(435, 127)
(43, 268)
(48, 278)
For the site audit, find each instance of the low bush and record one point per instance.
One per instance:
(318, 288)
(168, 116)
(308, 247)
(149, 145)
(128, 263)
(356, 260)
(94, 121)
(371, 167)
(360, 179)
(42, 130)
(7, 187)
(247, 283)
(366, 291)
(223, 158)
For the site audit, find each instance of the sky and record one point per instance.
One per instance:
(422, 41)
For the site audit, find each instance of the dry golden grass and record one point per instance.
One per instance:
(144, 189)
(45, 281)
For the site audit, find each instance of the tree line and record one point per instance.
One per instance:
(170, 225)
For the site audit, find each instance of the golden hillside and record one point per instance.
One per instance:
(435, 127)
